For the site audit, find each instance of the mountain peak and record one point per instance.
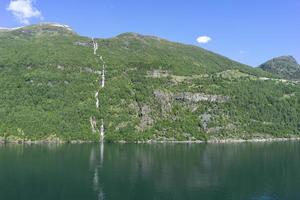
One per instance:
(49, 25)
(67, 27)
(287, 58)
(137, 35)
(6, 29)
(283, 66)
(129, 34)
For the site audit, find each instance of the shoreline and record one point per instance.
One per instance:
(220, 141)
(212, 141)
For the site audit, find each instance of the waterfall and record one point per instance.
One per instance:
(95, 44)
(93, 120)
(103, 77)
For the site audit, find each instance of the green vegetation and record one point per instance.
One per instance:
(155, 89)
(283, 66)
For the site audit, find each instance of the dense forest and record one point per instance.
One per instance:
(155, 90)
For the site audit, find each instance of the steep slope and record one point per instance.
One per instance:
(283, 66)
(51, 81)
(47, 83)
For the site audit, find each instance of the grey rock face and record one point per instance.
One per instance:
(165, 99)
(84, 44)
(158, 73)
(146, 120)
(205, 119)
(197, 97)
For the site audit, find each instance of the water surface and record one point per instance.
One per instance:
(254, 171)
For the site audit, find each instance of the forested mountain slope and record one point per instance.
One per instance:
(283, 66)
(52, 86)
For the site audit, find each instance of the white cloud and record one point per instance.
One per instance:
(203, 39)
(243, 52)
(23, 10)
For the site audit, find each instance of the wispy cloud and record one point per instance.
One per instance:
(203, 39)
(24, 10)
(243, 52)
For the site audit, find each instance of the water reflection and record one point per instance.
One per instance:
(96, 164)
(214, 171)
(264, 197)
(158, 171)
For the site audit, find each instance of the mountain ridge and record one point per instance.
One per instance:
(283, 66)
(154, 90)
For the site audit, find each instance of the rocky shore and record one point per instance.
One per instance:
(56, 140)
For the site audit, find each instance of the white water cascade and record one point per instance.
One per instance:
(95, 44)
(101, 85)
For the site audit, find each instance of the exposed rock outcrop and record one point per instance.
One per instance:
(205, 119)
(197, 97)
(60, 67)
(90, 70)
(146, 120)
(220, 128)
(157, 73)
(165, 100)
(85, 44)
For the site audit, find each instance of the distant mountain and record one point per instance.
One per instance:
(39, 29)
(58, 85)
(283, 66)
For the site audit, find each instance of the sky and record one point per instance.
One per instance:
(248, 31)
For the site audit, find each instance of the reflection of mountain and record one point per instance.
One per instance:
(182, 171)
(157, 171)
(47, 172)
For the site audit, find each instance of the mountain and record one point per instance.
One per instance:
(58, 85)
(283, 66)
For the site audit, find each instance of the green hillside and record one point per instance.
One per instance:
(154, 89)
(283, 66)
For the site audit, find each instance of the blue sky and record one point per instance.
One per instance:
(249, 31)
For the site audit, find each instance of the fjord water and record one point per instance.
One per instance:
(254, 171)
